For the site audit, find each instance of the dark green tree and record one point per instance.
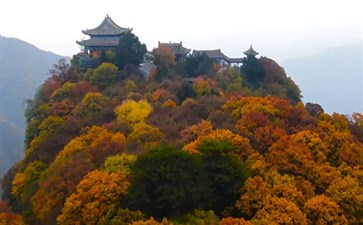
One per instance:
(253, 72)
(129, 51)
(198, 65)
(225, 174)
(167, 182)
(186, 91)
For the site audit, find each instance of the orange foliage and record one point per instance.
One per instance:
(152, 221)
(279, 211)
(191, 133)
(96, 194)
(78, 157)
(234, 221)
(255, 192)
(242, 147)
(322, 210)
(169, 104)
(290, 156)
(348, 193)
(160, 95)
(11, 219)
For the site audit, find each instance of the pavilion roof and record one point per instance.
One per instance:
(212, 54)
(251, 52)
(99, 42)
(177, 48)
(107, 27)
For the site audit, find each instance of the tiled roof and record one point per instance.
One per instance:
(212, 54)
(99, 42)
(177, 48)
(217, 54)
(251, 51)
(107, 27)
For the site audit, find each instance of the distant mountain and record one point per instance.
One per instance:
(331, 78)
(24, 68)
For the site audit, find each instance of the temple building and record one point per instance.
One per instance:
(104, 37)
(177, 48)
(217, 56)
(250, 52)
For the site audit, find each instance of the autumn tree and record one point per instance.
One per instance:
(348, 194)
(314, 109)
(152, 221)
(104, 75)
(122, 162)
(132, 112)
(234, 221)
(322, 210)
(93, 109)
(164, 59)
(279, 211)
(96, 193)
(80, 156)
(60, 71)
(197, 217)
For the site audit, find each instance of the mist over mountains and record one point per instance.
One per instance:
(24, 68)
(331, 78)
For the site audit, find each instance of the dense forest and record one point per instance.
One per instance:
(191, 142)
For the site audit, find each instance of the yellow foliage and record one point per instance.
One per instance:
(314, 143)
(50, 125)
(279, 211)
(269, 106)
(119, 162)
(145, 133)
(133, 112)
(348, 193)
(18, 185)
(255, 192)
(242, 145)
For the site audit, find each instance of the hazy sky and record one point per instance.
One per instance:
(277, 29)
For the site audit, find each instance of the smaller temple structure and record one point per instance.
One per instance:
(218, 57)
(215, 55)
(250, 52)
(104, 37)
(177, 48)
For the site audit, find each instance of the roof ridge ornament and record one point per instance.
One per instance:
(250, 52)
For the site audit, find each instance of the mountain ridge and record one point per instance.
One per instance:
(23, 69)
(322, 72)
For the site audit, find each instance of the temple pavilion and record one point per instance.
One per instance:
(177, 48)
(104, 37)
(250, 52)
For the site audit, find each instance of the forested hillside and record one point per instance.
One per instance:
(193, 142)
